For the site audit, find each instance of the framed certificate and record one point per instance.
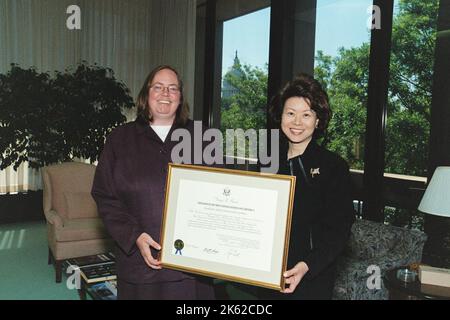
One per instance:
(227, 224)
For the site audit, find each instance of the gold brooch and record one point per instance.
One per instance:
(314, 171)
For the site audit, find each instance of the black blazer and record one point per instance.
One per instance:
(321, 220)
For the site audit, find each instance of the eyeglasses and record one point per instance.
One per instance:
(172, 89)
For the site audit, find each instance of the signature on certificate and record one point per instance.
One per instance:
(210, 251)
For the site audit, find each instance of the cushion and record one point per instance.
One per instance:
(67, 177)
(371, 239)
(80, 205)
(82, 229)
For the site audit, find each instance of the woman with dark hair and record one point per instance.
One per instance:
(323, 210)
(129, 187)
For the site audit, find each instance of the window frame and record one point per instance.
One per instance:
(375, 188)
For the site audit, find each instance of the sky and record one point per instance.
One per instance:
(340, 23)
(252, 45)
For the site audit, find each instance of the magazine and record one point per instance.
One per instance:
(102, 292)
(98, 259)
(112, 286)
(101, 272)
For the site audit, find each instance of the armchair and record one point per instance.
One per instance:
(73, 226)
(375, 244)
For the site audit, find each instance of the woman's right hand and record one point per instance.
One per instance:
(144, 242)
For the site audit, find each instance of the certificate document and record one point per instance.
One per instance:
(228, 224)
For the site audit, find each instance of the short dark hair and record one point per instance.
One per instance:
(304, 86)
(143, 110)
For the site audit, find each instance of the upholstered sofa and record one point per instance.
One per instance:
(374, 247)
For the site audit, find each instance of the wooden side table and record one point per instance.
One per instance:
(401, 290)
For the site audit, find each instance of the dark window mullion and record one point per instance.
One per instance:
(210, 56)
(380, 52)
(280, 49)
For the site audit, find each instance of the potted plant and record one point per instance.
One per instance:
(46, 120)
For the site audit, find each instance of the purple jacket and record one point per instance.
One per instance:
(129, 187)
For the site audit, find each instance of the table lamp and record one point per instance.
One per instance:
(436, 201)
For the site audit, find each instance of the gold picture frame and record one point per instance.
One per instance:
(227, 224)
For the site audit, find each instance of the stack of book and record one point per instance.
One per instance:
(95, 268)
(98, 273)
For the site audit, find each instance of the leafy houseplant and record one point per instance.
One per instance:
(45, 120)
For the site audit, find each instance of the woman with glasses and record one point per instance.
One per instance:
(323, 210)
(129, 187)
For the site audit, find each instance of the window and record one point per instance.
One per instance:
(409, 100)
(245, 55)
(342, 49)
(336, 33)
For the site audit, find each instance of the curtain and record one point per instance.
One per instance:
(130, 37)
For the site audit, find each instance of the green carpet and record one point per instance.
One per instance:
(24, 272)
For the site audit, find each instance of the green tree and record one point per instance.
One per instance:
(247, 108)
(345, 78)
(411, 69)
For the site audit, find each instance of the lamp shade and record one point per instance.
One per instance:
(436, 199)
